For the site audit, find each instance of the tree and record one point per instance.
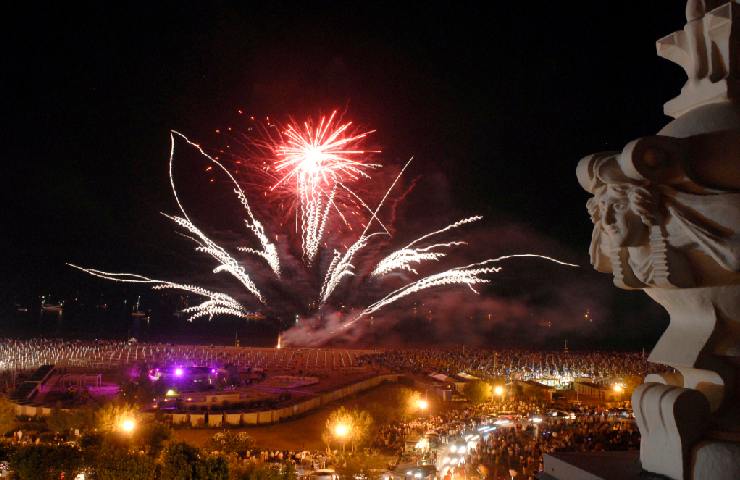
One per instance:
(362, 424)
(153, 436)
(109, 416)
(359, 466)
(7, 416)
(180, 462)
(288, 472)
(254, 471)
(347, 426)
(230, 442)
(212, 468)
(114, 462)
(41, 462)
(63, 422)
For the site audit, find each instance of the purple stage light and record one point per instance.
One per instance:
(179, 372)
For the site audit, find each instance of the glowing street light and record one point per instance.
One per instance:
(341, 430)
(618, 388)
(422, 404)
(498, 390)
(128, 425)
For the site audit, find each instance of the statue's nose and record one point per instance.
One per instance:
(609, 216)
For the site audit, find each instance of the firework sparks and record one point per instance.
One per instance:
(341, 265)
(403, 258)
(217, 303)
(317, 158)
(320, 159)
(268, 252)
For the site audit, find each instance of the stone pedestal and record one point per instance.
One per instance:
(594, 466)
(666, 213)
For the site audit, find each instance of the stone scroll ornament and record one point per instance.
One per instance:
(666, 215)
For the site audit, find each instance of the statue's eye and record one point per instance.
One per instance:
(620, 206)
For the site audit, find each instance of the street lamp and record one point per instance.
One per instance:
(618, 389)
(342, 431)
(422, 404)
(128, 425)
(498, 390)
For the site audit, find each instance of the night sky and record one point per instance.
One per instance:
(498, 101)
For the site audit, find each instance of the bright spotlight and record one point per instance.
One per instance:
(128, 425)
(341, 430)
(498, 390)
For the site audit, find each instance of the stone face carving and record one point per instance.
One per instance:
(661, 218)
(666, 215)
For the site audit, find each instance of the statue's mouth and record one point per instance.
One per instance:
(612, 230)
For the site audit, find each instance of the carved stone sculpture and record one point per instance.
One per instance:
(666, 214)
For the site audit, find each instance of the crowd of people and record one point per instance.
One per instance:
(513, 364)
(528, 430)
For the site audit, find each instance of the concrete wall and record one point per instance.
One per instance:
(233, 418)
(179, 418)
(262, 417)
(197, 419)
(215, 419)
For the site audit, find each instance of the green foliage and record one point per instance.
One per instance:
(357, 422)
(114, 462)
(255, 471)
(288, 472)
(183, 462)
(6, 451)
(180, 462)
(110, 415)
(477, 391)
(360, 465)
(230, 442)
(7, 416)
(41, 462)
(153, 436)
(63, 422)
(212, 468)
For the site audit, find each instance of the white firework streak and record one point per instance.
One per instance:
(468, 275)
(314, 217)
(217, 303)
(268, 252)
(401, 259)
(341, 265)
(227, 262)
(363, 204)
